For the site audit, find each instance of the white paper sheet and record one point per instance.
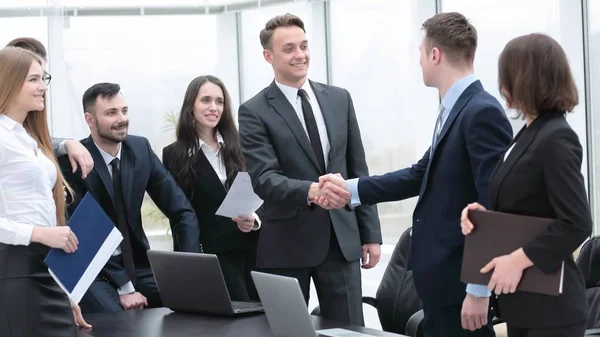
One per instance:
(241, 199)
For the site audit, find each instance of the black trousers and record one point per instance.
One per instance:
(337, 282)
(576, 330)
(445, 322)
(103, 297)
(31, 302)
(236, 267)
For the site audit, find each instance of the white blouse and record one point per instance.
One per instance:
(27, 177)
(216, 161)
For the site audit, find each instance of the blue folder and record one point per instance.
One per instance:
(92, 226)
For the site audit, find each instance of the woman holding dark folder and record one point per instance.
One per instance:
(540, 175)
(32, 206)
(204, 160)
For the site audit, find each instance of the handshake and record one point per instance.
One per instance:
(331, 192)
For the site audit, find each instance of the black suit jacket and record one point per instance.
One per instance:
(542, 177)
(282, 166)
(141, 172)
(472, 140)
(219, 234)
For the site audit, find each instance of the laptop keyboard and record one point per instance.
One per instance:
(245, 305)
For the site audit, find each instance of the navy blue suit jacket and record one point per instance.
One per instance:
(141, 172)
(471, 142)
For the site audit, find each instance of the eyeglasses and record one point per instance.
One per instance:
(46, 78)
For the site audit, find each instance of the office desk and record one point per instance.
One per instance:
(162, 322)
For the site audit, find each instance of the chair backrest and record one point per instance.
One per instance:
(396, 297)
(588, 262)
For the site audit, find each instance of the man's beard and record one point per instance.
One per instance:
(108, 136)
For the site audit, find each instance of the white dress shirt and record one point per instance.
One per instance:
(291, 94)
(108, 158)
(27, 178)
(216, 161)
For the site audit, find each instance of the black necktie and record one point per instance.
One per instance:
(311, 127)
(122, 225)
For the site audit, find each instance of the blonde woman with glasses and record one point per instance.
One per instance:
(32, 206)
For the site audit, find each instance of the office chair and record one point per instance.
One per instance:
(588, 262)
(396, 299)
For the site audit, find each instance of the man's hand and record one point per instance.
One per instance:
(133, 301)
(79, 155)
(474, 314)
(330, 192)
(371, 252)
(79, 321)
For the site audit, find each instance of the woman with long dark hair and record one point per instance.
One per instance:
(205, 160)
(32, 206)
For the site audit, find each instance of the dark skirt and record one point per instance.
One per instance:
(31, 302)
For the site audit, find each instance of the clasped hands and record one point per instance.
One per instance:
(331, 192)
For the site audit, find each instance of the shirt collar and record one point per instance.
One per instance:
(291, 93)
(9, 123)
(219, 141)
(457, 89)
(106, 156)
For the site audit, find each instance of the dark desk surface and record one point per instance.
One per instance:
(163, 322)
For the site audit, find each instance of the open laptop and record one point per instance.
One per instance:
(286, 309)
(194, 283)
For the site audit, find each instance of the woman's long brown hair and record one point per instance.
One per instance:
(187, 138)
(14, 67)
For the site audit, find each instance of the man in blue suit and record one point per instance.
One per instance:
(470, 136)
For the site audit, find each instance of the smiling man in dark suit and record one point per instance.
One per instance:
(292, 132)
(471, 134)
(125, 169)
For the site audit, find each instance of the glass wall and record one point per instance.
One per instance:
(257, 73)
(499, 21)
(377, 60)
(593, 12)
(22, 3)
(153, 60)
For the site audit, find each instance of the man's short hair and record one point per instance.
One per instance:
(453, 34)
(31, 44)
(104, 90)
(285, 20)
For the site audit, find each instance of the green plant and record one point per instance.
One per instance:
(152, 217)
(171, 118)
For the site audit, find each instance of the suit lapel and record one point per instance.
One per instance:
(462, 101)
(521, 142)
(99, 165)
(327, 109)
(283, 107)
(127, 164)
(207, 177)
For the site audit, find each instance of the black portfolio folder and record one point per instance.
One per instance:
(496, 234)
